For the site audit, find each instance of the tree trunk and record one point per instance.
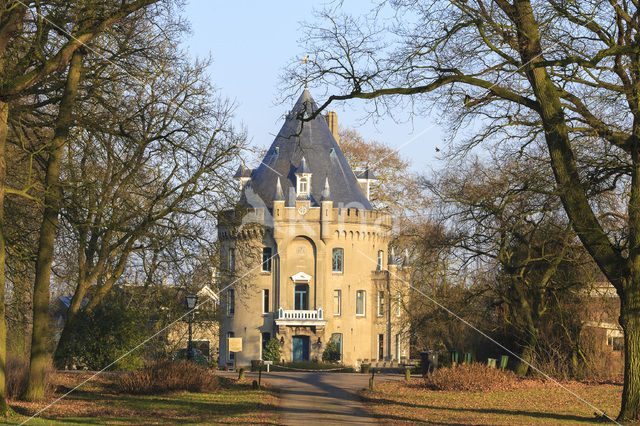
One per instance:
(522, 367)
(577, 206)
(526, 355)
(11, 24)
(66, 336)
(575, 361)
(630, 322)
(52, 200)
(4, 114)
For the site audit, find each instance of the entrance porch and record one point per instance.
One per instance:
(301, 343)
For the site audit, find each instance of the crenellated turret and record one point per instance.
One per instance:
(326, 210)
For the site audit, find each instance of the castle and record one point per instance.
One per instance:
(305, 256)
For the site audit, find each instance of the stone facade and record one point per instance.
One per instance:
(310, 268)
(205, 334)
(205, 338)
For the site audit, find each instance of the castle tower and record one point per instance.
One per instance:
(305, 255)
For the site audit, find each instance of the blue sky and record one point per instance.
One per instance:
(251, 42)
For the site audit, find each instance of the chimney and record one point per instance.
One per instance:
(332, 122)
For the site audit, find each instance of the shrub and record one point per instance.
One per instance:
(17, 376)
(271, 352)
(168, 376)
(474, 377)
(103, 335)
(331, 352)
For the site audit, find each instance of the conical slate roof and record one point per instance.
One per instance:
(303, 168)
(278, 194)
(326, 191)
(323, 159)
(242, 172)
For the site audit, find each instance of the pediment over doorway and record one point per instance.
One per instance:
(301, 276)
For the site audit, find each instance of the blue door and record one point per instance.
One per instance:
(300, 348)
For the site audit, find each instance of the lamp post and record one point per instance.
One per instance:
(192, 300)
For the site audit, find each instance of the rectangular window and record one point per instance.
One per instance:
(380, 346)
(360, 302)
(265, 301)
(616, 342)
(202, 346)
(303, 186)
(337, 339)
(266, 259)
(232, 259)
(397, 346)
(301, 297)
(231, 302)
(337, 302)
(230, 355)
(398, 305)
(380, 265)
(338, 260)
(380, 303)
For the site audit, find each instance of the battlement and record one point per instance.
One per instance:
(304, 213)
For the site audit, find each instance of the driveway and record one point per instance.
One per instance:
(330, 398)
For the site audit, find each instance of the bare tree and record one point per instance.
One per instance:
(566, 71)
(146, 179)
(504, 221)
(37, 40)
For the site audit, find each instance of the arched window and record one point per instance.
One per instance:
(231, 302)
(232, 259)
(337, 263)
(230, 355)
(266, 259)
(360, 302)
(337, 339)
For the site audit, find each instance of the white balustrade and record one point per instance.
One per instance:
(300, 315)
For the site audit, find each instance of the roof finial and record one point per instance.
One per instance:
(326, 192)
(305, 62)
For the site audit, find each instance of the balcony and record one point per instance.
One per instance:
(299, 317)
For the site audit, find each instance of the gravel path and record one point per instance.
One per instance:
(308, 398)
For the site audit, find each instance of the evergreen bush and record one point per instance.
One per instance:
(331, 352)
(272, 351)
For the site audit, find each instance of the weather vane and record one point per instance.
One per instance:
(305, 61)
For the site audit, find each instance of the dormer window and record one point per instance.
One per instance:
(243, 175)
(303, 186)
(303, 179)
(365, 179)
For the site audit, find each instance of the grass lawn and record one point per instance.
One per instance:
(97, 402)
(534, 403)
